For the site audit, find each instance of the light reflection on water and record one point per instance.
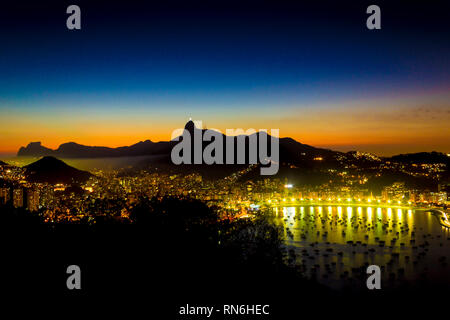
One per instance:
(331, 242)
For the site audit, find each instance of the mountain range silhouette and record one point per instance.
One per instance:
(290, 150)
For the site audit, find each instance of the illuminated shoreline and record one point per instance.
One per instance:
(342, 204)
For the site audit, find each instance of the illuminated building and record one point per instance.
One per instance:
(18, 198)
(32, 200)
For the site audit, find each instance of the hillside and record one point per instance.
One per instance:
(52, 170)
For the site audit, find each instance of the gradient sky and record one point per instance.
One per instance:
(138, 71)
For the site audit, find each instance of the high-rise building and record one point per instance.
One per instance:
(18, 198)
(32, 199)
(397, 191)
(4, 196)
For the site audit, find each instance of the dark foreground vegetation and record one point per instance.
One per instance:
(170, 253)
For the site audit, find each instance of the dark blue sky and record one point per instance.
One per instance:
(219, 56)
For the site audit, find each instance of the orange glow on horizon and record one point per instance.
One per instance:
(383, 130)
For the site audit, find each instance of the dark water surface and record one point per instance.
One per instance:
(335, 244)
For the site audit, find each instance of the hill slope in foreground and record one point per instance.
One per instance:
(52, 170)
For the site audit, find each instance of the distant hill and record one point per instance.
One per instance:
(421, 157)
(75, 150)
(35, 149)
(3, 163)
(52, 170)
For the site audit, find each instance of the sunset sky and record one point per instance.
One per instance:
(313, 71)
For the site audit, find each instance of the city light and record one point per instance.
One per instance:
(110, 184)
